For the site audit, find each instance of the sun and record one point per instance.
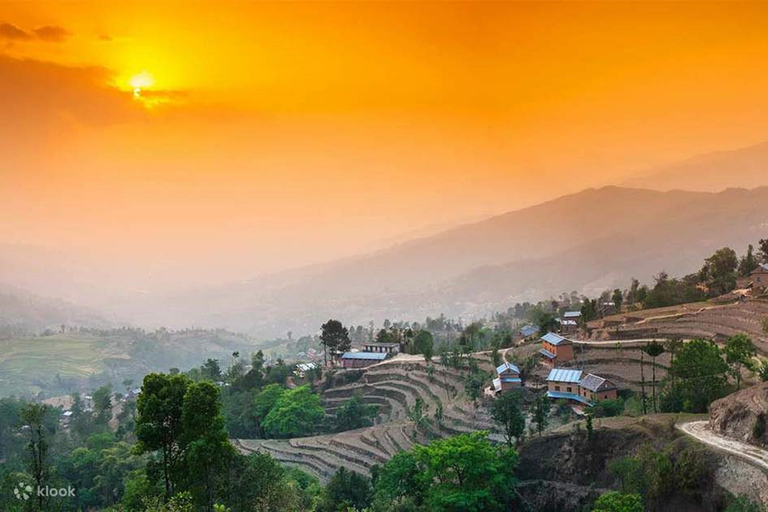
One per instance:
(141, 81)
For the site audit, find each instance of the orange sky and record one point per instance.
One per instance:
(278, 134)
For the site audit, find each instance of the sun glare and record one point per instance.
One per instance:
(141, 81)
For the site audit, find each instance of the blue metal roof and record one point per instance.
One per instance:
(507, 366)
(510, 379)
(377, 356)
(554, 339)
(546, 353)
(572, 314)
(562, 375)
(528, 330)
(568, 396)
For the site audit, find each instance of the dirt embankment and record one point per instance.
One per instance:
(743, 415)
(564, 471)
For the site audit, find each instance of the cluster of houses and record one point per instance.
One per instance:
(576, 386)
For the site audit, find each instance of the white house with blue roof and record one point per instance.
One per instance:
(508, 377)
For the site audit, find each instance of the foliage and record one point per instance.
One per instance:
(508, 414)
(346, 489)
(617, 502)
(744, 504)
(719, 271)
(334, 338)
(423, 343)
(608, 408)
(354, 413)
(464, 473)
(698, 376)
(739, 351)
(296, 413)
(540, 416)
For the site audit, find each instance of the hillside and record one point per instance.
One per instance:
(701, 320)
(743, 415)
(590, 241)
(64, 362)
(745, 167)
(26, 311)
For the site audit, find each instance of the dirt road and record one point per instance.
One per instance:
(700, 431)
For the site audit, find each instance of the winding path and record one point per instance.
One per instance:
(700, 431)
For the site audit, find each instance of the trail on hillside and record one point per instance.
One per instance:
(700, 431)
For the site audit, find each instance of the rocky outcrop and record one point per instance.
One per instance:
(742, 415)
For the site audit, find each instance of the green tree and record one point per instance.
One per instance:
(466, 472)
(423, 343)
(334, 338)
(739, 351)
(508, 415)
(211, 370)
(354, 413)
(748, 263)
(719, 271)
(346, 489)
(654, 349)
(618, 299)
(34, 416)
(540, 417)
(700, 377)
(159, 424)
(296, 413)
(617, 502)
(102, 404)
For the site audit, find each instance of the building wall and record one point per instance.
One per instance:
(563, 387)
(358, 363)
(760, 279)
(611, 394)
(564, 352)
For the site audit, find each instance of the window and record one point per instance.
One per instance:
(557, 388)
(568, 389)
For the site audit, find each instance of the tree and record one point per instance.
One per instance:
(541, 407)
(466, 472)
(423, 343)
(654, 349)
(334, 339)
(159, 423)
(616, 502)
(354, 413)
(211, 370)
(739, 351)
(762, 254)
(346, 489)
(618, 299)
(748, 263)
(34, 416)
(295, 414)
(719, 271)
(508, 414)
(102, 404)
(700, 377)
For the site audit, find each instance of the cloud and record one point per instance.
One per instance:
(47, 33)
(9, 31)
(52, 33)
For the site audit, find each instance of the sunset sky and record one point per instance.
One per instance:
(268, 135)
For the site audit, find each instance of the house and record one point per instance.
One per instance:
(760, 277)
(362, 359)
(527, 331)
(566, 384)
(386, 348)
(556, 349)
(303, 368)
(569, 324)
(508, 378)
(594, 388)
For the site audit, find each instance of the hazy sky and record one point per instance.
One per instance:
(270, 135)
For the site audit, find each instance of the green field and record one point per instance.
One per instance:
(62, 363)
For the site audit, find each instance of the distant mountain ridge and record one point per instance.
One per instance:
(589, 241)
(19, 308)
(745, 167)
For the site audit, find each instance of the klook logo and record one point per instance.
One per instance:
(23, 491)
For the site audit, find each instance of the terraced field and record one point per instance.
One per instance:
(394, 386)
(710, 322)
